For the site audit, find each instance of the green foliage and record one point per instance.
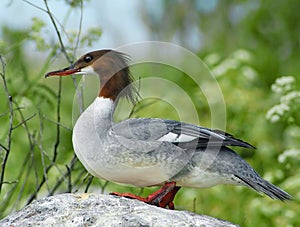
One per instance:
(93, 34)
(287, 109)
(286, 113)
(247, 45)
(36, 153)
(75, 3)
(35, 34)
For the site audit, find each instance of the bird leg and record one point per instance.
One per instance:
(163, 197)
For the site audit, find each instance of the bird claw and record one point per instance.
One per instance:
(163, 197)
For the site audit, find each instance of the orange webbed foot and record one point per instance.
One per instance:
(163, 197)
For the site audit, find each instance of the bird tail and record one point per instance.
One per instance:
(267, 188)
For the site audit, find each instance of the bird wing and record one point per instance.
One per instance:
(138, 146)
(181, 134)
(162, 146)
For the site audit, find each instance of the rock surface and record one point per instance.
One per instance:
(102, 210)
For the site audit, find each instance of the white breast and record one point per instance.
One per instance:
(90, 146)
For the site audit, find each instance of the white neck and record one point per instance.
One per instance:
(96, 119)
(104, 108)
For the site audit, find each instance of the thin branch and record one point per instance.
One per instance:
(25, 120)
(10, 194)
(30, 138)
(3, 114)
(57, 142)
(90, 180)
(3, 147)
(79, 29)
(63, 49)
(104, 186)
(7, 112)
(69, 174)
(57, 123)
(35, 6)
(11, 182)
(58, 120)
(22, 171)
(45, 11)
(44, 153)
(80, 180)
(10, 129)
(79, 91)
(70, 168)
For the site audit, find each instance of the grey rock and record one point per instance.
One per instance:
(102, 210)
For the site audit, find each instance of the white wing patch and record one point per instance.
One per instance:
(173, 138)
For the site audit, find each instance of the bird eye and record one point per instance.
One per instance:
(87, 58)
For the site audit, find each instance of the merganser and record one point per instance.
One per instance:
(152, 151)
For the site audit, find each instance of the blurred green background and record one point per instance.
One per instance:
(252, 47)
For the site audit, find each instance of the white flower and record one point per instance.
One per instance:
(242, 55)
(283, 84)
(224, 66)
(218, 71)
(212, 59)
(249, 72)
(292, 153)
(276, 112)
(290, 97)
(284, 80)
